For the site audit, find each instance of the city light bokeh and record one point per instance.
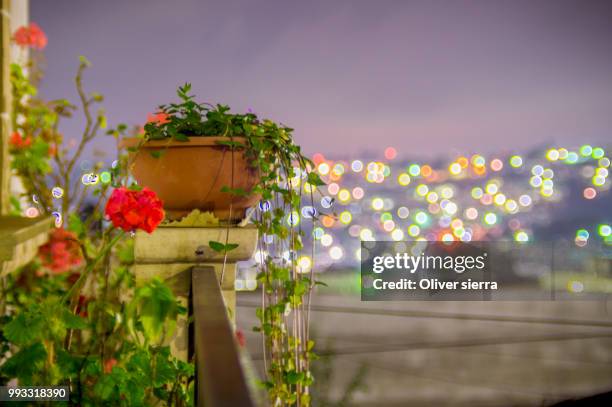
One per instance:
(469, 198)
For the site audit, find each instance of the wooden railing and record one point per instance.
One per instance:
(220, 376)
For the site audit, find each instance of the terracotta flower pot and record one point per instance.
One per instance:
(189, 175)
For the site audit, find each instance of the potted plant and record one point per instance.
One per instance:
(200, 156)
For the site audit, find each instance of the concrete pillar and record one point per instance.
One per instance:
(170, 252)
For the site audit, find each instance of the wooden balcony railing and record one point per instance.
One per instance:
(220, 377)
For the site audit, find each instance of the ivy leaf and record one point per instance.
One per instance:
(230, 143)
(234, 191)
(294, 377)
(231, 246)
(157, 153)
(216, 246)
(314, 179)
(180, 137)
(222, 248)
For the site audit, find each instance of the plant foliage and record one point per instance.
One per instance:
(283, 169)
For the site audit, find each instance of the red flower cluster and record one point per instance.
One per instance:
(17, 141)
(62, 252)
(32, 36)
(131, 210)
(158, 118)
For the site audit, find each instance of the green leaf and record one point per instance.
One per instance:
(15, 206)
(75, 224)
(164, 371)
(234, 191)
(105, 387)
(25, 363)
(315, 179)
(24, 328)
(157, 153)
(84, 61)
(216, 246)
(222, 248)
(74, 321)
(69, 364)
(125, 252)
(158, 309)
(140, 362)
(230, 143)
(294, 377)
(180, 137)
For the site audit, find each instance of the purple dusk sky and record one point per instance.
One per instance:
(427, 77)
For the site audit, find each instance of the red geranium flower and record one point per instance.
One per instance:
(32, 36)
(62, 252)
(18, 142)
(158, 118)
(131, 210)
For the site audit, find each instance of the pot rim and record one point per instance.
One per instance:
(199, 141)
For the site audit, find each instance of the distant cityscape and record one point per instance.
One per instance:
(545, 194)
(555, 193)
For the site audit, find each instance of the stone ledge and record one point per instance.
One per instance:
(179, 244)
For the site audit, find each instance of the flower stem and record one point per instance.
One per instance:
(76, 286)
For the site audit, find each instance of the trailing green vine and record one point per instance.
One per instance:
(282, 168)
